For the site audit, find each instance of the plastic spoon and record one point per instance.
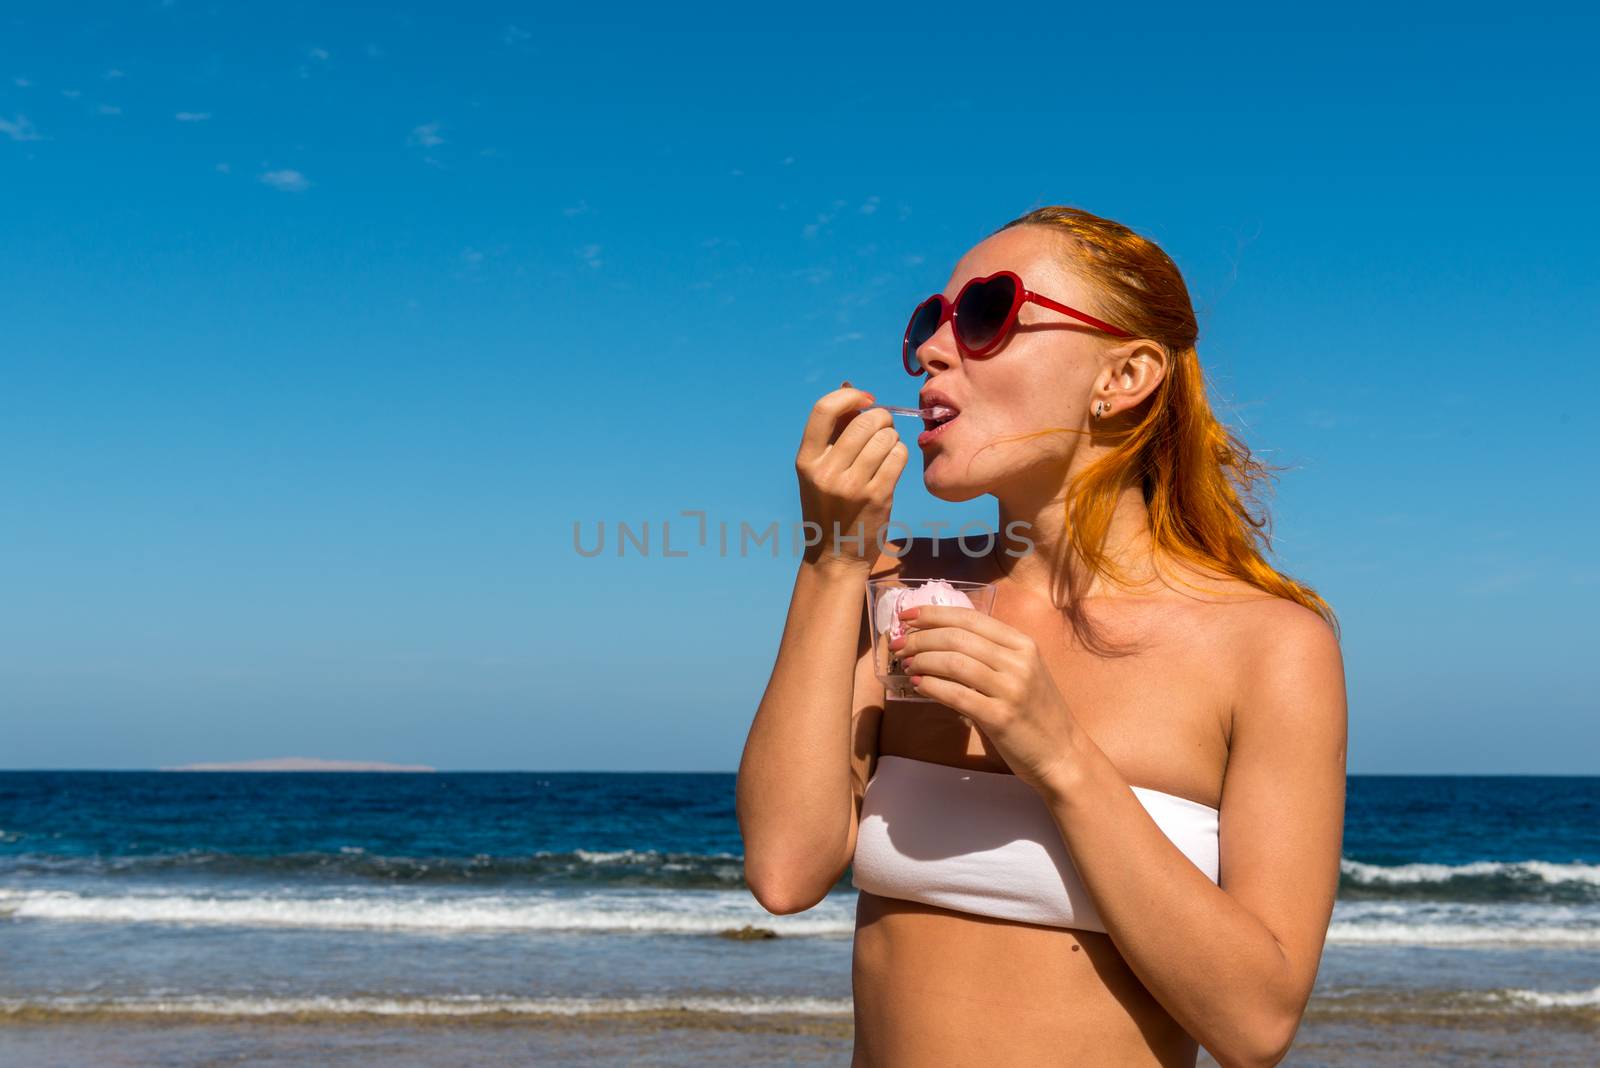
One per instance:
(934, 412)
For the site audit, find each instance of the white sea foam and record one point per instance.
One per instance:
(1440, 934)
(1443, 1001)
(1447, 923)
(462, 1005)
(1544, 999)
(1399, 874)
(470, 1005)
(708, 912)
(658, 912)
(631, 856)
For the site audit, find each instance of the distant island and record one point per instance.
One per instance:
(301, 764)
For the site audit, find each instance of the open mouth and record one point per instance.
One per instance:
(936, 423)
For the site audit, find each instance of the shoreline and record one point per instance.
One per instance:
(666, 1038)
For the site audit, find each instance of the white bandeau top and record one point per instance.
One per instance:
(985, 842)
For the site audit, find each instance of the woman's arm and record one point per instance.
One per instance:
(1233, 963)
(794, 791)
(794, 795)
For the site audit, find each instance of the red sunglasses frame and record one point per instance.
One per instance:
(1021, 295)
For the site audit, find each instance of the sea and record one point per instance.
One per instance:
(189, 917)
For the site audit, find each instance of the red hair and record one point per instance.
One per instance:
(1199, 479)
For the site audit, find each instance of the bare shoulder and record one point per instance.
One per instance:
(1240, 614)
(1290, 670)
(1275, 654)
(1272, 627)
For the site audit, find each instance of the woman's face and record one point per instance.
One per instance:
(1043, 375)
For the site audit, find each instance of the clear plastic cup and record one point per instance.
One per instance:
(884, 596)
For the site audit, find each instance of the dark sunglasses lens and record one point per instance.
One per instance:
(983, 310)
(924, 323)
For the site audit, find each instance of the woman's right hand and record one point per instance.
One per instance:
(848, 464)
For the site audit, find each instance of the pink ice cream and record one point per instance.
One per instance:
(934, 591)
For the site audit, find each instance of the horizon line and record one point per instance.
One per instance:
(675, 771)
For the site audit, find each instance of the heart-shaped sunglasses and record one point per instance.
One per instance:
(982, 316)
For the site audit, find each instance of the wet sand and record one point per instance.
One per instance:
(1327, 1039)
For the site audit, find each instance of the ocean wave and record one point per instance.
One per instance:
(695, 912)
(1441, 923)
(1546, 999)
(1484, 880)
(637, 912)
(333, 1007)
(1443, 934)
(1390, 1006)
(1583, 1005)
(622, 867)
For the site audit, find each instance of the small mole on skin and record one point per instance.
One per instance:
(1075, 949)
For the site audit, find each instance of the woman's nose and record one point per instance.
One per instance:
(938, 353)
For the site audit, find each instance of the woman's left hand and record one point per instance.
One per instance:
(992, 673)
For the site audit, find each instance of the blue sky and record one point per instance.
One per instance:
(324, 323)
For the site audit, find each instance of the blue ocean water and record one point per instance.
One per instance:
(464, 892)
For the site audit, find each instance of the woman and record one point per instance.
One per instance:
(1148, 689)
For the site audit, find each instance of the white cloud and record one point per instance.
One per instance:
(316, 55)
(109, 109)
(580, 208)
(515, 35)
(374, 50)
(426, 135)
(71, 94)
(192, 116)
(870, 206)
(19, 129)
(590, 255)
(112, 73)
(224, 168)
(475, 258)
(288, 181)
(811, 229)
(21, 83)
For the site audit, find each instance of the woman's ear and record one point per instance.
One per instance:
(1133, 371)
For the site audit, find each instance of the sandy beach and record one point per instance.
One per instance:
(1330, 1038)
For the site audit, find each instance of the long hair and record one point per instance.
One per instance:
(1201, 484)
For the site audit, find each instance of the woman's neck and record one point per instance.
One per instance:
(1043, 522)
